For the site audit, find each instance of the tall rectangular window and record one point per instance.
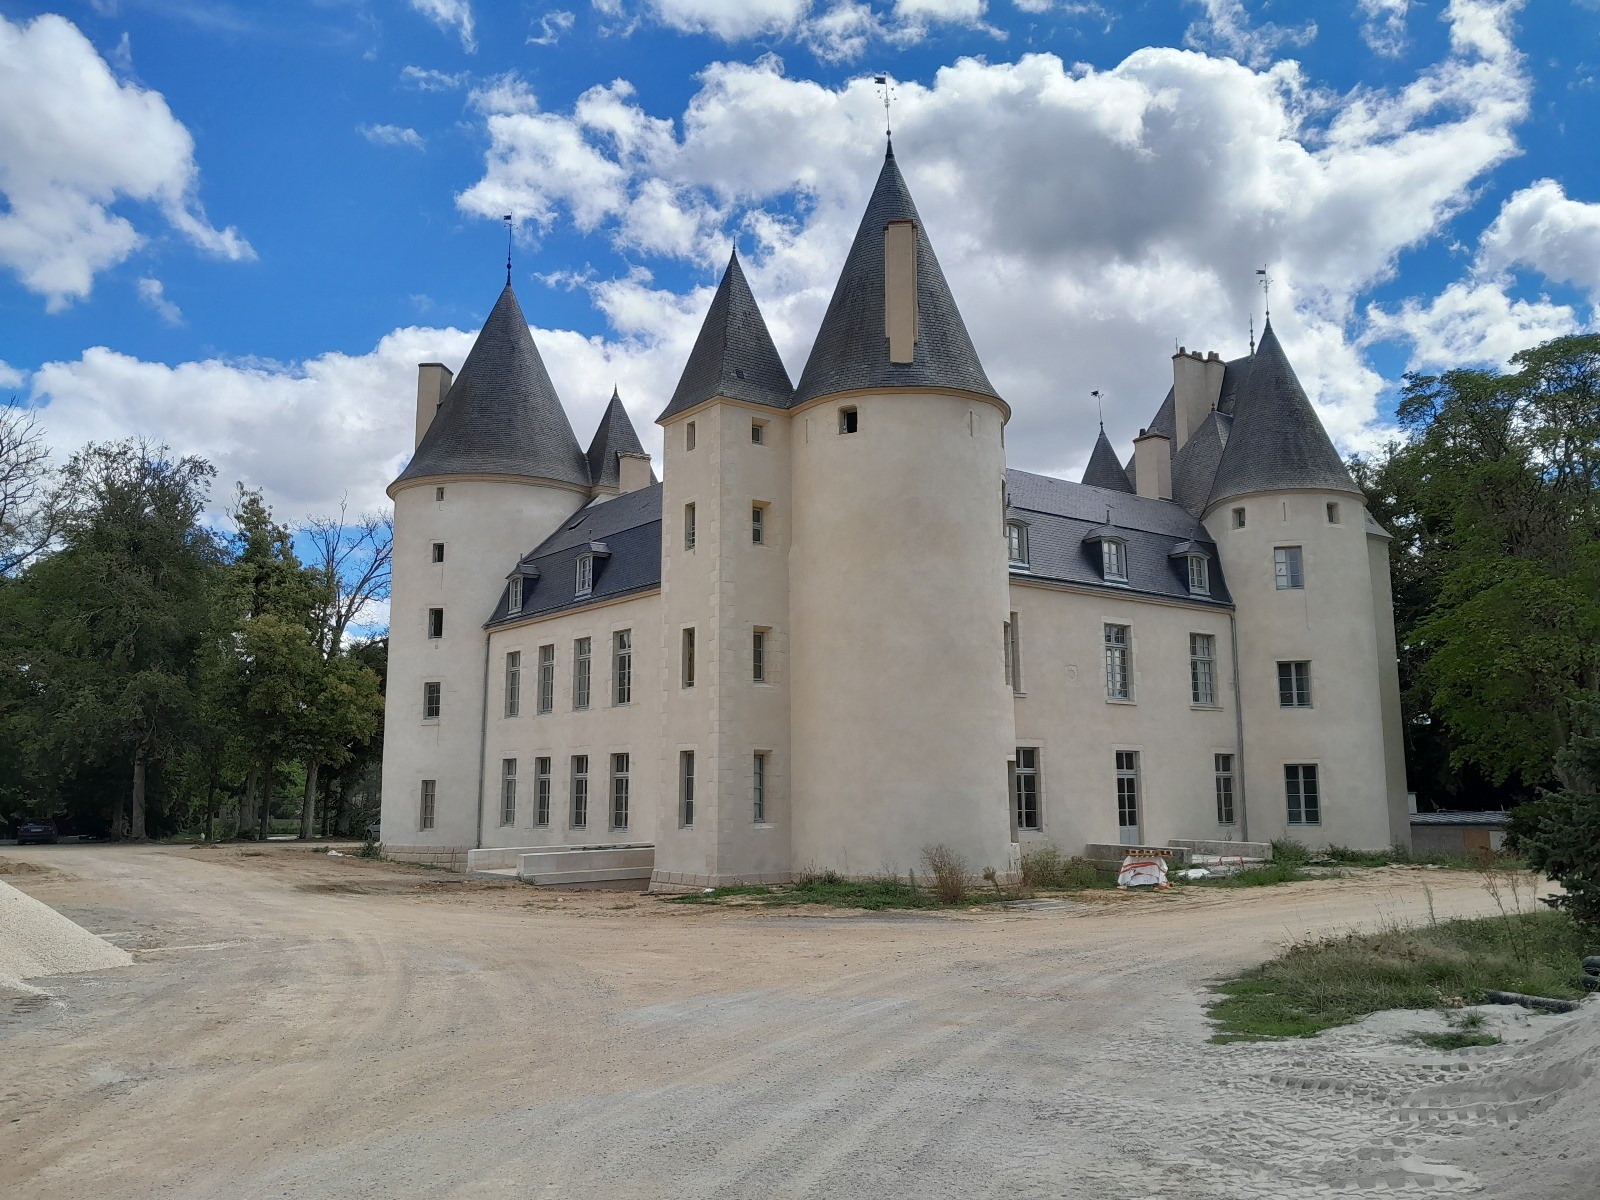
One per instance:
(1113, 559)
(1025, 788)
(508, 791)
(758, 524)
(431, 700)
(687, 665)
(1128, 796)
(686, 788)
(758, 655)
(758, 786)
(1013, 654)
(689, 436)
(438, 552)
(547, 679)
(622, 666)
(1119, 679)
(1202, 669)
(581, 673)
(514, 595)
(1017, 542)
(758, 433)
(688, 527)
(585, 580)
(430, 791)
(541, 791)
(1301, 792)
(1222, 767)
(1199, 576)
(1294, 685)
(1288, 568)
(436, 622)
(513, 683)
(580, 791)
(619, 791)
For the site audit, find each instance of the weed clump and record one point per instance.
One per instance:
(949, 872)
(1290, 852)
(1045, 867)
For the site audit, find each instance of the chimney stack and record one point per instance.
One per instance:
(633, 472)
(1196, 388)
(433, 381)
(1152, 465)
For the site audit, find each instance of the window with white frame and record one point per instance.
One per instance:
(688, 527)
(758, 787)
(430, 792)
(432, 700)
(686, 663)
(1333, 513)
(1025, 788)
(758, 433)
(1202, 670)
(619, 791)
(1294, 685)
(436, 622)
(508, 791)
(686, 788)
(758, 655)
(689, 436)
(541, 791)
(1119, 676)
(622, 667)
(1017, 543)
(513, 683)
(582, 672)
(758, 524)
(1199, 575)
(585, 574)
(1288, 568)
(1302, 794)
(1128, 794)
(547, 680)
(514, 595)
(1114, 559)
(580, 791)
(1222, 772)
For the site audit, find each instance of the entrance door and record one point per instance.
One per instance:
(1128, 830)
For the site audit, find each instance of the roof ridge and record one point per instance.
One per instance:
(733, 355)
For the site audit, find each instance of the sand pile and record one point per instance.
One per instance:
(36, 941)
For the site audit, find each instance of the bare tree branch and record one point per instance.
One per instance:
(353, 558)
(27, 518)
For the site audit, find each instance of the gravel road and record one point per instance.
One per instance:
(295, 1025)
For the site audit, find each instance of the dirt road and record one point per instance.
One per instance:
(295, 1025)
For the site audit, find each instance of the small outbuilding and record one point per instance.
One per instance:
(1458, 832)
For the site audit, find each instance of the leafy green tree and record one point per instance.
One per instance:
(1559, 833)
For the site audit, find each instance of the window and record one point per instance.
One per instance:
(1238, 518)
(513, 683)
(849, 420)
(619, 791)
(1199, 576)
(1222, 766)
(1118, 680)
(688, 658)
(1333, 513)
(1300, 790)
(431, 695)
(580, 791)
(1025, 788)
(430, 790)
(686, 788)
(547, 679)
(508, 791)
(1202, 669)
(581, 673)
(1114, 559)
(438, 552)
(1013, 654)
(1128, 796)
(688, 527)
(585, 574)
(758, 524)
(622, 666)
(1017, 542)
(758, 787)
(514, 595)
(438, 493)
(688, 436)
(436, 622)
(1287, 566)
(758, 656)
(758, 433)
(1294, 685)
(541, 791)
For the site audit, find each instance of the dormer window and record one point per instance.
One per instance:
(1199, 576)
(1114, 559)
(585, 574)
(1017, 543)
(514, 595)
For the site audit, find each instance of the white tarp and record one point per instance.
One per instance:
(1143, 870)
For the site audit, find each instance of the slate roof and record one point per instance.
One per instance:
(852, 347)
(1104, 470)
(615, 436)
(1060, 514)
(502, 414)
(1491, 819)
(734, 355)
(1194, 466)
(630, 527)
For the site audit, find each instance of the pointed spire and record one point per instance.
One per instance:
(734, 355)
(1104, 471)
(615, 436)
(1276, 442)
(502, 415)
(852, 347)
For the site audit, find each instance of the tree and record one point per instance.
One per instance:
(1559, 834)
(27, 520)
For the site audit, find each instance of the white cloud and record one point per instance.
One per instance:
(552, 25)
(1469, 323)
(731, 20)
(450, 15)
(426, 79)
(1227, 25)
(843, 33)
(10, 376)
(1384, 29)
(74, 143)
(154, 293)
(122, 56)
(1540, 227)
(392, 135)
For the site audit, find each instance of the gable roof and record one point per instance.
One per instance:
(502, 415)
(852, 347)
(733, 356)
(615, 436)
(1104, 471)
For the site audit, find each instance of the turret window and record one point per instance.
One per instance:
(438, 552)
(1017, 542)
(687, 664)
(688, 436)
(438, 493)
(849, 420)
(431, 700)
(1238, 518)
(1333, 513)
(1288, 568)
(758, 433)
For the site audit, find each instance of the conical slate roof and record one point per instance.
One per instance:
(734, 355)
(1104, 471)
(615, 436)
(1276, 441)
(502, 415)
(852, 347)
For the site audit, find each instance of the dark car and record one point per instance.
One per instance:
(37, 831)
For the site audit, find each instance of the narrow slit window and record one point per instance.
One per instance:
(438, 552)
(1238, 518)
(686, 788)
(689, 436)
(541, 791)
(508, 791)
(688, 527)
(1333, 513)
(425, 807)
(436, 622)
(758, 524)
(758, 787)
(1223, 770)
(619, 790)
(686, 666)
(758, 656)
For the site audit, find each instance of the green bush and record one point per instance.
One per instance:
(1559, 834)
(1045, 867)
(1289, 852)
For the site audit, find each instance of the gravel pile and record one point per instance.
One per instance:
(36, 940)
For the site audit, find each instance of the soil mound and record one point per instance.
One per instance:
(36, 941)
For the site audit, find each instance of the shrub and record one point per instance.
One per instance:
(1290, 853)
(1044, 867)
(1559, 834)
(370, 849)
(949, 872)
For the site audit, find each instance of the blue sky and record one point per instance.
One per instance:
(237, 228)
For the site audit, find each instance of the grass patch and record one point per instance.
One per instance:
(1456, 1040)
(1316, 985)
(721, 893)
(834, 890)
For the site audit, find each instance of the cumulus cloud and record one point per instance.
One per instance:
(10, 376)
(1384, 26)
(1469, 323)
(75, 143)
(392, 135)
(552, 26)
(731, 20)
(450, 15)
(1542, 228)
(154, 294)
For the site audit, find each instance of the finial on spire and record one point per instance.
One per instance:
(1099, 408)
(1266, 289)
(886, 94)
(1252, 335)
(509, 227)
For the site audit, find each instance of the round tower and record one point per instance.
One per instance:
(902, 721)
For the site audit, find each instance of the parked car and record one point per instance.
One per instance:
(37, 831)
(373, 832)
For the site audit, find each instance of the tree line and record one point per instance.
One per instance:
(159, 675)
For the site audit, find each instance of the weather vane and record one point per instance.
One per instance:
(509, 226)
(886, 94)
(1098, 407)
(1266, 289)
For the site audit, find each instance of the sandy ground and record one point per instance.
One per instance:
(300, 1026)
